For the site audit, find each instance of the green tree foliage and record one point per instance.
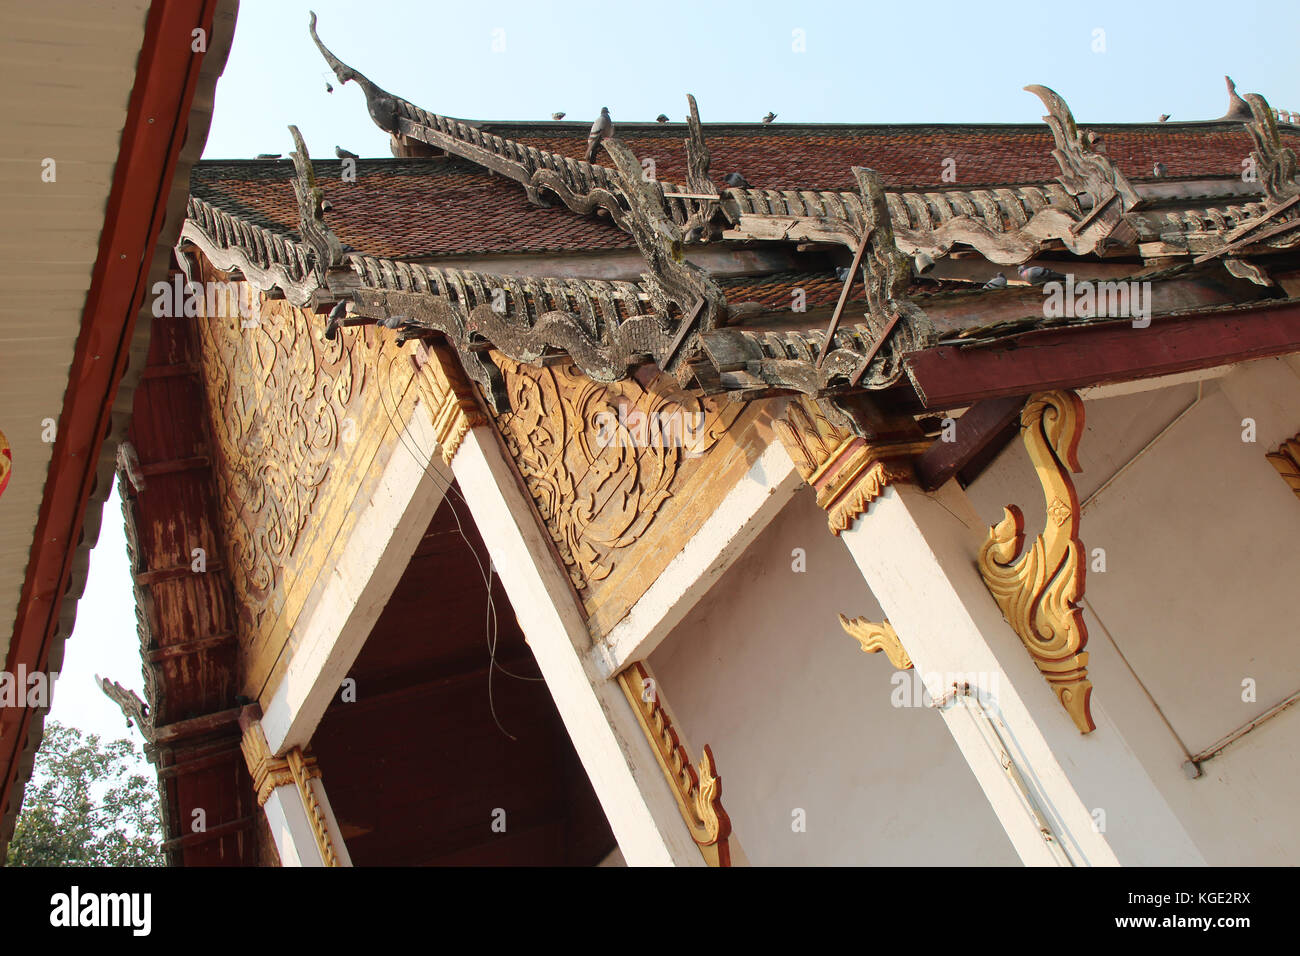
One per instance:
(86, 806)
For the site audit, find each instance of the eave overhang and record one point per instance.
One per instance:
(165, 129)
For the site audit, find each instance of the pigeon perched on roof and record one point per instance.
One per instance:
(1037, 275)
(1238, 109)
(337, 315)
(342, 153)
(769, 117)
(1159, 171)
(268, 155)
(557, 116)
(1164, 118)
(999, 281)
(736, 181)
(661, 118)
(603, 128)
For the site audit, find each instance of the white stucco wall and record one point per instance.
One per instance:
(799, 718)
(1202, 546)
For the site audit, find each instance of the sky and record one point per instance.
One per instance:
(932, 62)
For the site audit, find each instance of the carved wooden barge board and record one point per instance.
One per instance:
(698, 791)
(301, 426)
(1038, 588)
(618, 497)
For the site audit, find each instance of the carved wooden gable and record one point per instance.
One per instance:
(297, 423)
(623, 474)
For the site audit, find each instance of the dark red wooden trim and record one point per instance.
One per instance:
(949, 375)
(980, 425)
(157, 121)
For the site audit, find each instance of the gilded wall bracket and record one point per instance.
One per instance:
(1038, 588)
(697, 789)
(847, 471)
(875, 638)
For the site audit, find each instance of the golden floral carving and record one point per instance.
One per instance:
(583, 452)
(1038, 589)
(1286, 460)
(449, 399)
(698, 790)
(278, 394)
(847, 472)
(267, 771)
(875, 638)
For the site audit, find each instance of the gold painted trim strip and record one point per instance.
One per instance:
(698, 791)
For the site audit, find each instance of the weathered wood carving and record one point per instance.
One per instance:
(875, 638)
(847, 472)
(698, 790)
(311, 213)
(1038, 589)
(1275, 163)
(601, 461)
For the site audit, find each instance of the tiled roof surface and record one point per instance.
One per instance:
(406, 207)
(907, 157)
(447, 207)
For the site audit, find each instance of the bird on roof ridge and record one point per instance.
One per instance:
(1164, 118)
(342, 153)
(736, 181)
(1238, 109)
(268, 155)
(769, 117)
(661, 118)
(603, 128)
(558, 116)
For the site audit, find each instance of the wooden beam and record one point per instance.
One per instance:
(947, 376)
(979, 426)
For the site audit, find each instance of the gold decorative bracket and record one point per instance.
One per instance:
(295, 769)
(1037, 589)
(1287, 462)
(847, 471)
(875, 638)
(698, 790)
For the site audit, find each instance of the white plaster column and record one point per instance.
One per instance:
(917, 553)
(614, 752)
(292, 795)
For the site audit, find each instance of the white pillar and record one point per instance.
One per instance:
(622, 768)
(917, 553)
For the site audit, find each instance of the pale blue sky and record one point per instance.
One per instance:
(931, 62)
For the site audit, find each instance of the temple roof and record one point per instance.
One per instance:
(731, 284)
(820, 156)
(406, 208)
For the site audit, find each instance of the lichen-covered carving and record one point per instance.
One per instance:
(311, 214)
(1275, 164)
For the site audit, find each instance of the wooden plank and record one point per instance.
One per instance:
(947, 376)
(975, 429)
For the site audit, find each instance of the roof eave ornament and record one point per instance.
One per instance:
(675, 284)
(701, 218)
(311, 214)
(381, 104)
(1275, 164)
(1084, 168)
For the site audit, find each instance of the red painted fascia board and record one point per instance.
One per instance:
(157, 121)
(1075, 357)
